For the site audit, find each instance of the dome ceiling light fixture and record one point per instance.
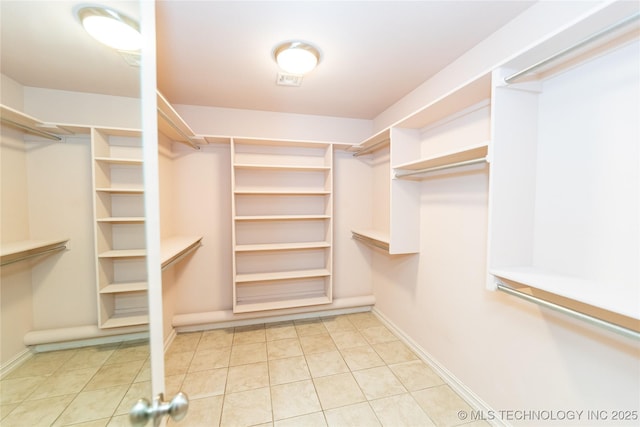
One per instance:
(111, 28)
(296, 57)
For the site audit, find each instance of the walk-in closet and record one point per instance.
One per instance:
(432, 227)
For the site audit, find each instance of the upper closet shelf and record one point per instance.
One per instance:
(588, 39)
(373, 238)
(464, 96)
(458, 99)
(172, 125)
(26, 249)
(375, 143)
(462, 157)
(175, 249)
(282, 167)
(27, 123)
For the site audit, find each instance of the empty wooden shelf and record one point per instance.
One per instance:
(282, 224)
(27, 249)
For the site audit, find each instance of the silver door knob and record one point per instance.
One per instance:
(143, 410)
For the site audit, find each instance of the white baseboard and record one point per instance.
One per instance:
(16, 361)
(227, 319)
(451, 380)
(66, 345)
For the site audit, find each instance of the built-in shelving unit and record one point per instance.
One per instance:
(565, 176)
(121, 274)
(395, 220)
(412, 148)
(27, 249)
(282, 224)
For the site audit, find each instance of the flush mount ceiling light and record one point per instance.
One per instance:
(296, 57)
(111, 28)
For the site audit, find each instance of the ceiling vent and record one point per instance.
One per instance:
(285, 79)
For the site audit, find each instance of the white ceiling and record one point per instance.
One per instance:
(43, 45)
(219, 53)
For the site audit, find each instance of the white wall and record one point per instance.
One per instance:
(47, 193)
(539, 21)
(265, 124)
(59, 106)
(513, 354)
(16, 308)
(61, 206)
(201, 202)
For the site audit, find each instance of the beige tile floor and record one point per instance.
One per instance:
(346, 370)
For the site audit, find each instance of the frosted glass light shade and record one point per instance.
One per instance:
(296, 57)
(111, 28)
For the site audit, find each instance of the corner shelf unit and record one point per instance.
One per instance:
(413, 148)
(121, 273)
(282, 211)
(564, 185)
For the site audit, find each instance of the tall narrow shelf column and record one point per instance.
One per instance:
(394, 214)
(282, 212)
(121, 274)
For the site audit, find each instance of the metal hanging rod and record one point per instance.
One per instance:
(548, 304)
(31, 129)
(177, 129)
(439, 168)
(578, 45)
(370, 148)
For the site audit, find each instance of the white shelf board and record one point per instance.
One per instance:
(15, 251)
(124, 253)
(468, 94)
(119, 161)
(617, 300)
(120, 190)
(122, 219)
(116, 288)
(280, 217)
(173, 126)
(119, 321)
(282, 143)
(282, 246)
(293, 168)
(472, 152)
(281, 275)
(286, 303)
(377, 235)
(376, 142)
(135, 133)
(175, 248)
(19, 117)
(302, 192)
